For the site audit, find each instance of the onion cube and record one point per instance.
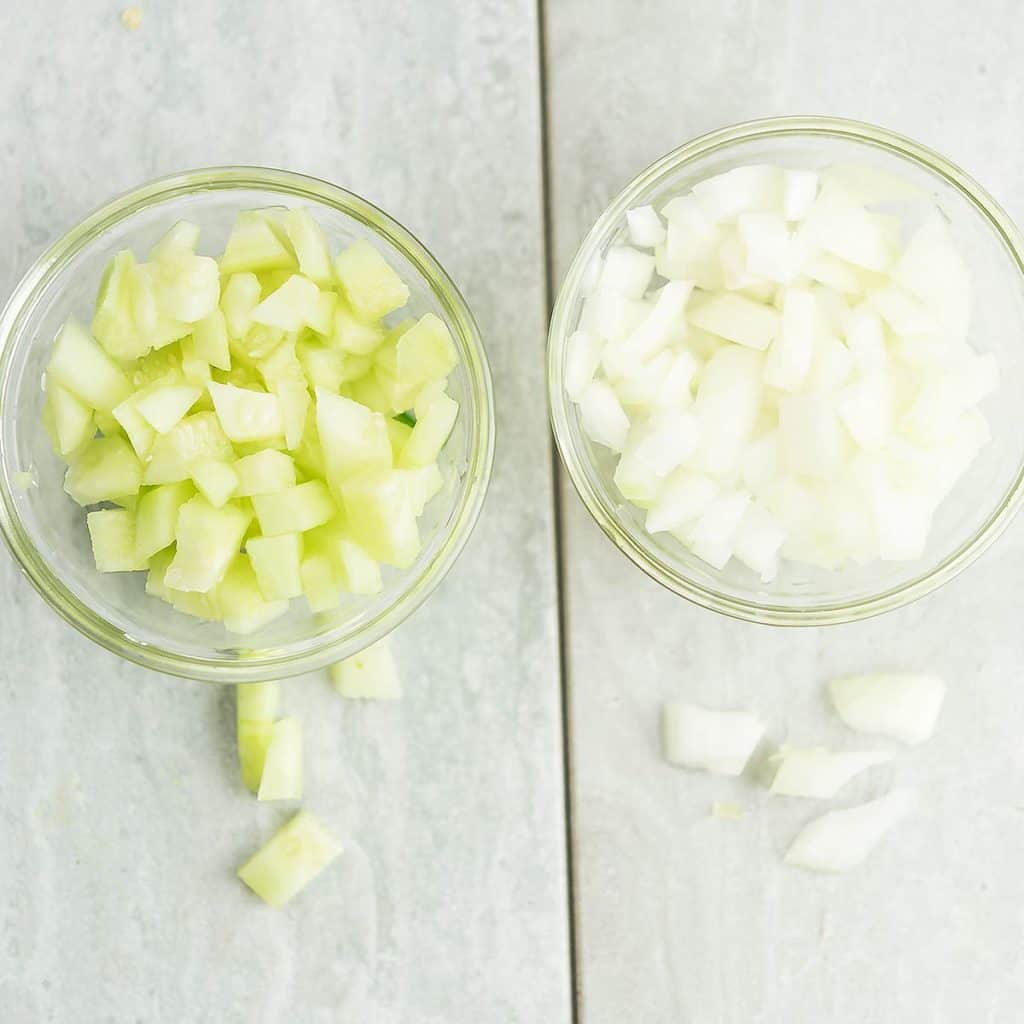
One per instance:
(685, 496)
(818, 773)
(602, 417)
(713, 537)
(627, 271)
(757, 187)
(758, 540)
(790, 355)
(727, 404)
(810, 436)
(719, 742)
(645, 227)
(903, 706)
(768, 245)
(664, 323)
(735, 318)
(841, 840)
(582, 358)
(799, 190)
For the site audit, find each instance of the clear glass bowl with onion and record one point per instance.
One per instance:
(46, 531)
(982, 502)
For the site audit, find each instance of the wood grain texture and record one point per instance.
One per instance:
(684, 919)
(121, 820)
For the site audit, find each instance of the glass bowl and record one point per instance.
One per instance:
(46, 531)
(983, 501)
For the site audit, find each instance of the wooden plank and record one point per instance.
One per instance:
(122, 818)
(681, 917)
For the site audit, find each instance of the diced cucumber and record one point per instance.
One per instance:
(380, 516)
(319, 583)
(276, 562)
(199, 436)
(73, 422)
(208, 539)
(210, 340)
(255, 711)
(264, 472)
(295, 509)
(254, 246)
(353, 437)
(369, 675)
(156, 366)
(139, 431)
(351, 334)
(431, 432)
(358, 572)
(295, 855)
(187, 286)
(155, 585)
(372, 392)
(240, 297)
(156, 518)
(423, 483)
(371, 286)
(246, 415)
(241, 604)
(291, 306)
(112, 532)
(282, 766)
(113, 323)
(105, 469)
(310, 246)
(165, 407)
(321, 314)
(215, 480)
(181, 237)
(282, 373)
(85, 369)
(323, 367)
(425, 353)
(398, 434)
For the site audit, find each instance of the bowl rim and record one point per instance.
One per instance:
(255, 665)
(767, 613)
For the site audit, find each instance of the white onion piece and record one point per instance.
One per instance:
(663, 324)
(799, 190)
(719, 742)
(740, 190)
(627, 271)
(769, 249)
(714, 534)
(904, 707)
(604, 420)
(869, 240)
(645, 227)
(582, 358)
(683, 499)
(735, 318)
(841, 840)
(757, 541)
(790, 355)
(810, 437)
(818, 773)
(728, 399)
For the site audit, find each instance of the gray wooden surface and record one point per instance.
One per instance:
(681, 917)
(120, 818)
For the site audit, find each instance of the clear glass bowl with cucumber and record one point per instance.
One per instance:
(247, 424)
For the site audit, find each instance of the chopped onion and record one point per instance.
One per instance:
(902, 706)
(785, 378)
(719, 742)
(841, 840)
(818, 773)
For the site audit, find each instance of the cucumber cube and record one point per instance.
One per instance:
(254, 246)
(246, 415)
(112, 532)
(113, 323)
(423, 354)
(241, 296)
(358, 572)
(319, 583)
(255, 711)
(353, 437)
(215, 480)
(295, 855)
(295, 509)
(323, 367)
(210, 340)
(182, 237)
(282, 373)
(432, 430)
(282, 766)
(106, 469)
(370, 284)
(165, 407)
(310, 245)
(156, 518)
(187, 286)
(242, 607)
(73, 422)
(276, 562)
(199, 436)
(398, 434)
(291, 306)
(422, 483)
(208, 540)
(381, 517)
(81, 366)
(369, 675)
(155, 585)
(264, 472)
(321, 314)
(354, 335)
